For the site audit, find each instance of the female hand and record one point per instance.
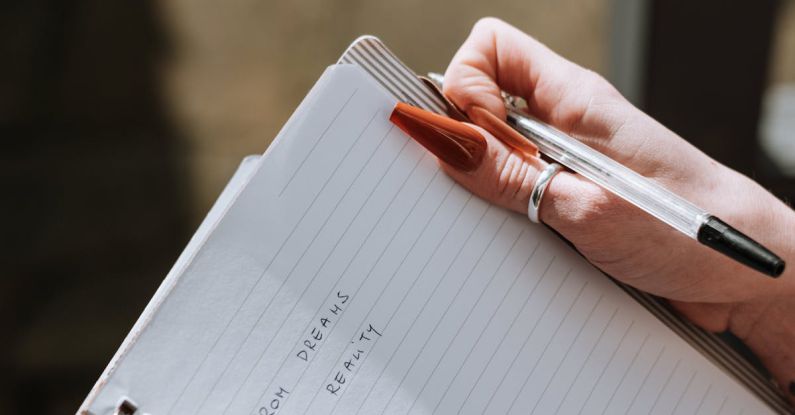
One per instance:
(625, 242)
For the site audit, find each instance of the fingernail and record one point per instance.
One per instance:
(502, 131)
(454, 142)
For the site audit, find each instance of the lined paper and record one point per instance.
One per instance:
(351, 276)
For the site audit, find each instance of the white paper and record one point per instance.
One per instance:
(351, 276)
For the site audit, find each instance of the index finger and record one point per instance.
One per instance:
(497, 56)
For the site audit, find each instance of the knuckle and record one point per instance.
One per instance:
(599, 85)
(510, 179)
(465, 77)
(582, 108)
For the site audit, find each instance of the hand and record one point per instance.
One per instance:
(625, 242)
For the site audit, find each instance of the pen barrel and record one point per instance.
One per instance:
(608, 173)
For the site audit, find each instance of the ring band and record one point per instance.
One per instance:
(539, 188)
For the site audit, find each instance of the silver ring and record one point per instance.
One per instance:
(540, 186)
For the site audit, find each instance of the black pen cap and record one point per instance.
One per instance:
(721, 237)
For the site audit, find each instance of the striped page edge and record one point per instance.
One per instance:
(372, 55)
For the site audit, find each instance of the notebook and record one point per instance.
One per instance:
(343, 273)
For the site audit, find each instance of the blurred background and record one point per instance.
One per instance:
(121, 122)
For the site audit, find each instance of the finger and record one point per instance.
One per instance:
(497, 56)
(572, 99)
(491, 169)
(506, 177)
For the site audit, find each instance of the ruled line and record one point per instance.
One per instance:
(316, 144)
(566, 355)
(488, 324)
(623, 377)
(665, 385)
(587, 359)
(438, 322)
(386, 172)
(546, 347)
(276, 255)
(465, 319)
(343, 273)
(714, 349)
(414, 321)
(507, 332)
(607, 365)
(703, 397)
(411, 288)
(383, 290)
(645, 379)
(682, 395)
(720, 409)
(361, 207)
(527, 338)
(295, 265)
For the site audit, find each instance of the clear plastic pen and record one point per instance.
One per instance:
(642, 192)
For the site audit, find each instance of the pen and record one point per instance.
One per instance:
(649, 196)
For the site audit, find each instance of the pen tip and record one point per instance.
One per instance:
(720, 236)
(778, 267)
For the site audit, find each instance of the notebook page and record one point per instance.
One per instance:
(351, 276)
